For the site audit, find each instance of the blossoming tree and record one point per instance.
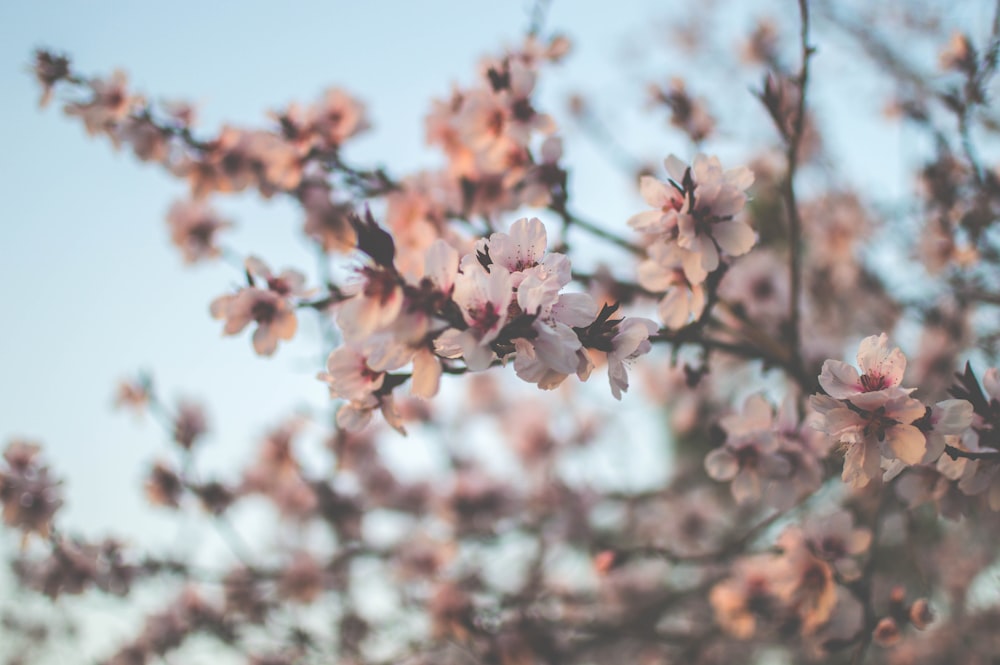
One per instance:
(816, 510)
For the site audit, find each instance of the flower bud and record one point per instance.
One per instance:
(920, 614)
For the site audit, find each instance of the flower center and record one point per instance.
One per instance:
(873, 382)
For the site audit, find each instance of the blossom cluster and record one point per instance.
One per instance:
(503, 299)
(876, 420)
(692, 222)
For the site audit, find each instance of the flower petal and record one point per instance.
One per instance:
(906, 442)
(735, 238)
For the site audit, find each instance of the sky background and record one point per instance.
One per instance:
(91, 287)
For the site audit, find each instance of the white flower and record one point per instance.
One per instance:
(484, 298)
(666, 272)
(349, 375)
(882, 371)
(709, 225)
(631, 340)
(868, 436)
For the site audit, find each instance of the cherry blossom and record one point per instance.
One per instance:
(882, 371)
(630, 340)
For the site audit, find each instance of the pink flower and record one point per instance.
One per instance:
(193, 227)
(376, 303)
(750, 456)
(327, 222)
(29, 495)
(274, 316)
(715, 198)
(111, 103)
(667, 199)
(663, 272)
(631, 340)
(834, 538)
(882, 371)
(484, 299)
(748, 600)
(336, 118)
(868, 436)
(524, 249)
(349, 376)
(287, 283)
(945, 420)
(695, 209)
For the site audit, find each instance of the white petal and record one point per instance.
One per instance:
(426, 374)
(735, 238)
(657, 194)
(876, 359)
(906, 442)
(839, 379)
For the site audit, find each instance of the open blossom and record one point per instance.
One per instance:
(538, 276)
(869, 413)
(663, 272)
(946, 420)
(523, 252)
(868, 436)
(714, 199)
(270, 308)
(666, 198)
(748, 599)
(336, 118)
(29, 495)
(484, 298)
(881, 373)
(349, 376)
(804, 449)
(377, 299)
(287, 283)
(696, 209)
(274, 316)
(974, 477)
(631, 340)
(193, 227)
(805, 581)
(835, 539)
(750, 457)
(493, 117)
(111, 103)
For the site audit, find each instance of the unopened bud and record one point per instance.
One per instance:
(887, 633)
(920, 614)
(604, 561)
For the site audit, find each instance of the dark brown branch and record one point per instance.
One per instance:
(794, 219)
(956, 453)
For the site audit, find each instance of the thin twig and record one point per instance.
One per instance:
(794, 219)
(571, 220)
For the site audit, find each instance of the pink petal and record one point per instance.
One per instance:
(906, 442)
(720, 464)
(735, 238)
(839, 379)
(876, 359)
(655, 193)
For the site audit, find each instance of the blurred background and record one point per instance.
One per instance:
(94, 292)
